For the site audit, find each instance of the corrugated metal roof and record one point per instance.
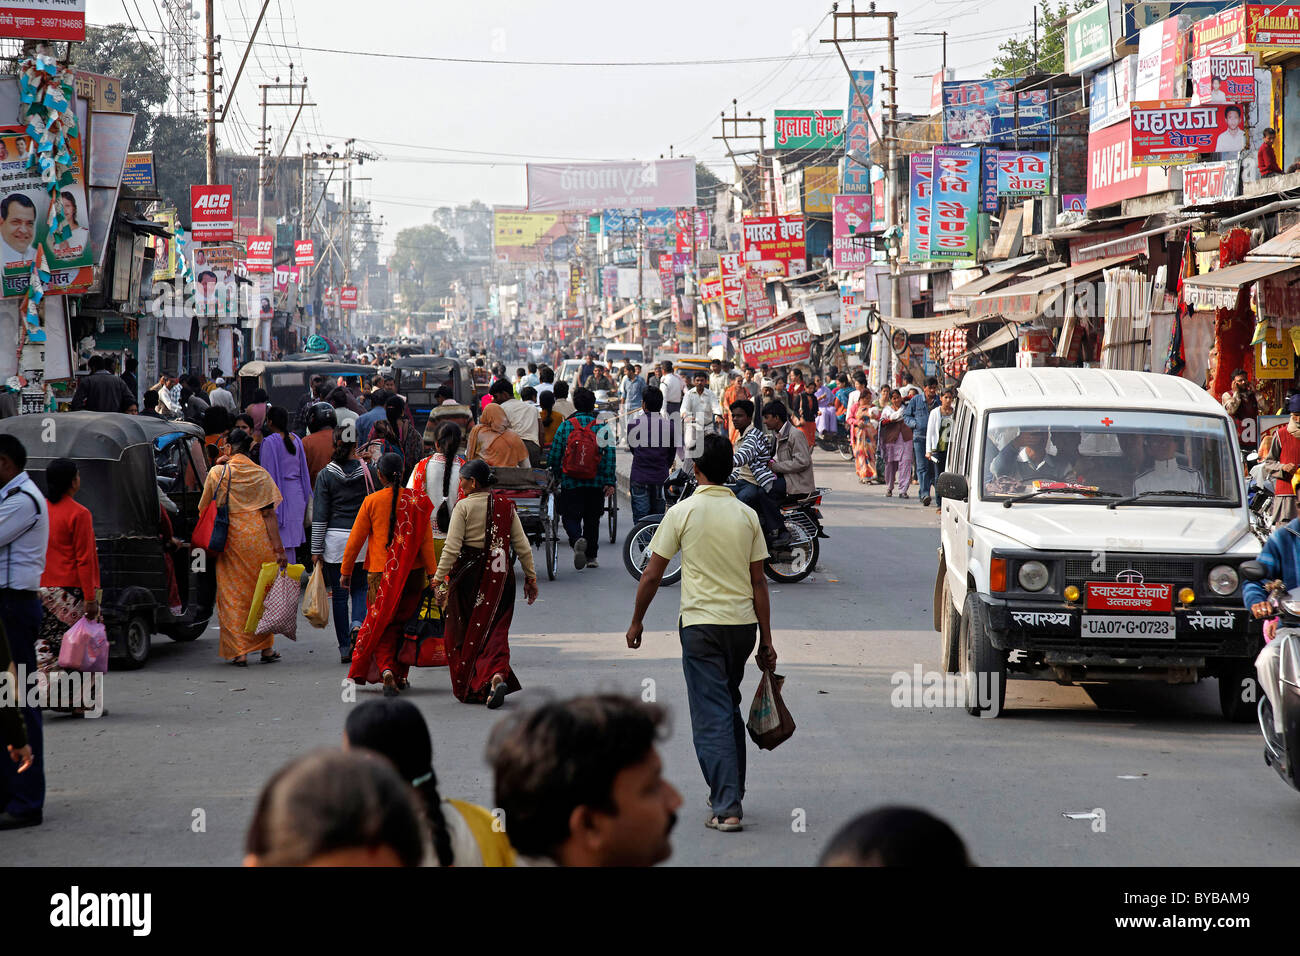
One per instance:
(1220, 288)
(1028, 299)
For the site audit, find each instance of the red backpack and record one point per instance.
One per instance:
(581, 452)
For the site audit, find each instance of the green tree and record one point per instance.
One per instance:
(705, 184)
(425, 260)
(1015, 56)
(177, 142)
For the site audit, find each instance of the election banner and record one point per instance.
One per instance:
(1271, 27)
(304, 253)
(1112, 91)
(808, 129)
(1211, 182)
(731, 266)
(954, 203)
(1220, 34)
(1223, 79)
(918, 206)
(857, 131)
(1172, 133)
(772, 243)
(1024, 173)
(216, 289)
(984, 111)
(620, 185)
(43, 20)
(212, 213)
(790, 345)
(259, 257)
(25, 216)
(849, 215)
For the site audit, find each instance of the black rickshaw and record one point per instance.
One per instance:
(131, 468)
(287, 382)
(420, 376)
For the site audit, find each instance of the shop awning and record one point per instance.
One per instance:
(1027, 300)
(1158, 231)
(1002, 336)
(1219, 289)
(1285, 245)
(960, 297)
(928, 324)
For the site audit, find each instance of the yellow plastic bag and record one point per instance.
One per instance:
(264, 579)
(316, 603)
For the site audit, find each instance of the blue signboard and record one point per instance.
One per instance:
(1140, 13)
(989, 181)
(985, 111)
(857, 132)
(1112, 90)
(138, 172)
(616, 220)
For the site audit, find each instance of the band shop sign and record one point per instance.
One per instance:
(787, 345)
(1211, 182)
(1172, 132)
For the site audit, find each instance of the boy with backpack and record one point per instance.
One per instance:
(582, 459)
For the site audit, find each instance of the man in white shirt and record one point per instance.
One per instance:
(1165, 473)
(522, 415)
(17, 230)
(221, 397)
(1233, 139)
(673, 387)
(719, 379)
(701, 411)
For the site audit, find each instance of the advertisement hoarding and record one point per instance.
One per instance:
(43, 20)
(954, 203)
(1211, 182)
(786, 346)
(808, 129)
(985, 111)
(819, 187)
(773, 242)
(1223, 79)
(304, 253)
(259, 257)
(758, 307)
(1112, 91)
(138, 172)
(1220, 33)
(918, 206)
(1088, 39)
(1160, 65)
(212, 213)
(1171, 132)
(1272, 27)
(731, 266)
(348, 297)
(857, 131)
(850, 213)
(1024, 173)
(584, 186)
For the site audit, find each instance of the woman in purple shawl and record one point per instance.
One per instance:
(282, 456)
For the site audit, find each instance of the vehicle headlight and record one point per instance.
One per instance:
(1223, 579)
(1033, 575)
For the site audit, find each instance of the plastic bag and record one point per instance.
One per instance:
(84, 647)
(269, 570)
(316, 604)
(770, 723)
(280, 608)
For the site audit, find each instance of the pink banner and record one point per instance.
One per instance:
(847, 214)
(647, 185)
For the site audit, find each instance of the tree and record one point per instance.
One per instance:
(706, 184)
(425, 260)
(1015, 56)
(177, 142)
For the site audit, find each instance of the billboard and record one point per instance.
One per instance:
(808, 129)
(954, 203)
(772, 243)
(1272, 27)
(1171, 132)
(212, 213)
(851, 213)
(1211, 182)
(215, 268)
(643, 185)
(731, 266)
(857, 131)
(758, 307)
(1144, 13)
(1112, 176)
(43, 19)
(1220, 34)
(1024, 173)
(517, 234)
(819, 187)
(164, 247)
(25, 216)
(1112, 91)
(786, 346)
(1223, 79)
(918, 206)
(137, 173)
(984, 111)
(1088, 39)
(348, 297)
(304, 253)
(1160, 65)
(259, 257)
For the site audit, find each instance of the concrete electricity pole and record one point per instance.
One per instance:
(212, 94)
(264, 144)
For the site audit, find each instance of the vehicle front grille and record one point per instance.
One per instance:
(1105, 566)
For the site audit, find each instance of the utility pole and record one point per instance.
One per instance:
(347, 215)
(264, 144)
(943, 66)
(212, 93)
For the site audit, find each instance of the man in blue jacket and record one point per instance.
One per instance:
(1281, 557)
(916, 414)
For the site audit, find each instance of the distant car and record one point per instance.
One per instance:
(537, 351)
(568, 372)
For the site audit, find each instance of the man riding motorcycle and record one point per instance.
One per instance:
(791, 456)
(753, 480)
(1281, 558)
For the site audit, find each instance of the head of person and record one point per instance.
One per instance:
(277, 417)
(714, 464)
(1232, 116)
(896, 398)
(13, 458)
(61, 480)
(896, 836)
(18, 221)
(931, 388)
(501, 391)
(260, 397)
(345, 443)
(797, 375)
(1033, 442)
(947, 400)
(584, 400)
(749, 373)
(336, 808)
(546, 375)
(1162, 447)
(476, 476)
(394, 409)
(151, 400)
(1270, 135)
(520, 373)
(528, 394)
(742, 414)
(494, 418)
(561, 389)
(775, 416)
(239, 440)
(396, 730)
(701, 381)
(652, 399)
(1239, 380)
(216, 420)
(317, 384)
(95, 363)
(668, 367)
(907, 378)
(715, 366)
(321, 417)
(582, 783)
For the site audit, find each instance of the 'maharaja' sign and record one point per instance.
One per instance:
(1223, 79)
(1211, 182)
(1271, 27)
(1172, 132)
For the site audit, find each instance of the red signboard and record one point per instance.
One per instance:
(1129, 596)
(259, 256)
(212, 213)
(1223, 79)
(701, 234)
(733, 287)
(758, 307)
(1111, 174)
(786, 346)
(774, 240)
(348, 297)
(711, 289)
(304, 253)
(1172, 132)
(1220, 34)
(1272, 26)
(44, 20)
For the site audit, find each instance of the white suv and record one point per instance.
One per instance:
(1093, 523)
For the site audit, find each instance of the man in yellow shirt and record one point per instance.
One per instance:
(723, 602)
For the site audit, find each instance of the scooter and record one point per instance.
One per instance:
(1259, 494)
(1282, 751)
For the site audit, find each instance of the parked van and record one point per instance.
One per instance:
(1093, 526)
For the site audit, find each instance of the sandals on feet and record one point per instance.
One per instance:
(726, 826)
(270, 659)
(497, 696)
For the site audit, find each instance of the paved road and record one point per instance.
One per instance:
(190, 733)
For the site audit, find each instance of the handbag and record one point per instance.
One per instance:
(214, 524)
(422, 643)
(280, 608)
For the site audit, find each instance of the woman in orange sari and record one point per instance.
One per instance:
(395, 521)
(493, 441)
(862, 434)
(253, 539)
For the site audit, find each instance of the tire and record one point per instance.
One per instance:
(949, 633)
(799, 570)
(636, 547)
(1233, 676)
(613, 519)
(184, 633)
(983, 664)
(136, 642)
(845, 448)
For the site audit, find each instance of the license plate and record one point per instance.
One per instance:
(1104, 625)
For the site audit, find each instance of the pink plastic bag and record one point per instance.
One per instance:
(84, 647)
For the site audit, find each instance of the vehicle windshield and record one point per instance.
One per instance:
(1097, 455)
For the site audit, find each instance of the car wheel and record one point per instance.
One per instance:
(984, 666)
(135, 643)
(1239, 691)
(949, 633)
(187, 632)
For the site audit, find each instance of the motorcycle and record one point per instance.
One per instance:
(837, 441)
(787, 565)
(1282, 751)
(1259, 494)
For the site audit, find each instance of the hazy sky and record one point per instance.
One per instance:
(453, 132)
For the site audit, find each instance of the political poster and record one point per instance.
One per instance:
(216, 288)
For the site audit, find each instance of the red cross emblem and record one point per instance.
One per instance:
(1107, 422)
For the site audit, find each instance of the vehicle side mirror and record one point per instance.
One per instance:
(952, 485)
(1253, 571)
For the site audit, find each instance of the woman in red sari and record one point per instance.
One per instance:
(395, 520)
(475, 584)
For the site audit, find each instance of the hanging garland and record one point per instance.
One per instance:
(45, 92)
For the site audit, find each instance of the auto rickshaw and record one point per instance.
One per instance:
(133, 467)
(419, 376)
(287, 382)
